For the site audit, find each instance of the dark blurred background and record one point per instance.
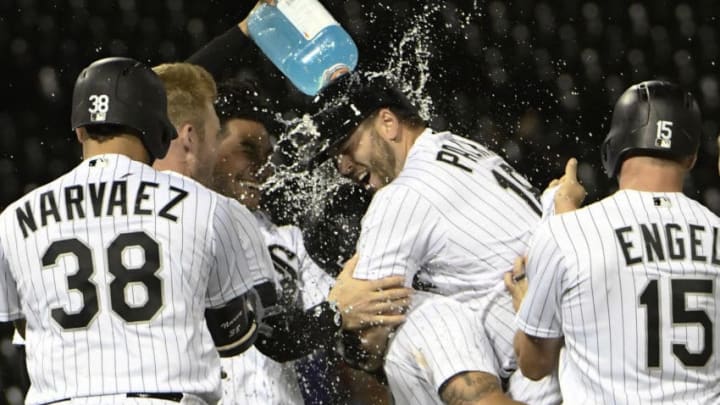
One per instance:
(533, 80)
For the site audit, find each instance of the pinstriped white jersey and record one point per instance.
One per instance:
(113, 265)
(631, 282)
(453, 221)
(253, 378)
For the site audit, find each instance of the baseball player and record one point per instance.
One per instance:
(290, 332)
(131, 280)
(450, 218)
(303, 322)
(628, 284)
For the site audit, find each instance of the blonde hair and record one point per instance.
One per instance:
(189, 89)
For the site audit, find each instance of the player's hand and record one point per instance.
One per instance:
(570, 193)
(244, 23)
(365, 303)
(516, 282)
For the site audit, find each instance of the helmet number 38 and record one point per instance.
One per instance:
(99, 108)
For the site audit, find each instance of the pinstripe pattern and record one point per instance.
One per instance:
(254, 378)
(416, 368)
(463, 229)
(586, 287)
(209, 254)
(452, 223)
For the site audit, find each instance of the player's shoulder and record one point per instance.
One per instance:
(32, 197)
(292, 233)
(432, 151)
(400, 191)
(229, 209)
(285, 234)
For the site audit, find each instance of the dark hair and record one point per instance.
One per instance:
(101, 132)
(242, 99)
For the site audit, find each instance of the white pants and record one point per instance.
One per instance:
(495, 315)
(443, 337)
(438, 340)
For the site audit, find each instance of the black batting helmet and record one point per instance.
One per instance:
(653, 118)
(123, 91)
(330, 235)
(344, 104)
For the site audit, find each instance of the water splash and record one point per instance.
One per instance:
(298, 193)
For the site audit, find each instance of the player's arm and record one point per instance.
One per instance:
(233, 305)
(400, 230)
(570, 193)
(392, 242)
(537, 357)
(474, 388)
(293, 333)
(225, 52)
(232, 326)
(536, 298)
(366, 303)
(373, 309)
(10, 309)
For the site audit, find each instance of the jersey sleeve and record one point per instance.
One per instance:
(399, 231)
(547, 200)
(539, 314)
(9, 299)
(241, 259)
(224, 54)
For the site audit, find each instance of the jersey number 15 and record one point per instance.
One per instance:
(680, 288)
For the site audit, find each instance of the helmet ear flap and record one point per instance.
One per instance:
(605, 156)
(167, 134)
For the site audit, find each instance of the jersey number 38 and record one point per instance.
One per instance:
(80, 280)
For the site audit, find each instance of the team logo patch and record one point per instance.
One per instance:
(662, 202)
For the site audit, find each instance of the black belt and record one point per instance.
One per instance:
(168, 396)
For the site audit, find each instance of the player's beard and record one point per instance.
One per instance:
(382, 159)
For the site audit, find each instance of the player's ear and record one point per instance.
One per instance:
(388, 124)
(187, 136)
(81, 135)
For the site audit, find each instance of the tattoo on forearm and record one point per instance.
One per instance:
(466, 388)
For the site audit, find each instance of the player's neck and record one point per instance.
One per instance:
(127, 145)
(651, 174)
(173, 162)
(411, 135)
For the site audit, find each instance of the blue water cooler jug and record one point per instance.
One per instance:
(304, 41)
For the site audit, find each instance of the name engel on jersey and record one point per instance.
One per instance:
(657, 242)
(108, 199)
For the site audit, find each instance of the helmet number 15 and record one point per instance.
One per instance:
(663, 137)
